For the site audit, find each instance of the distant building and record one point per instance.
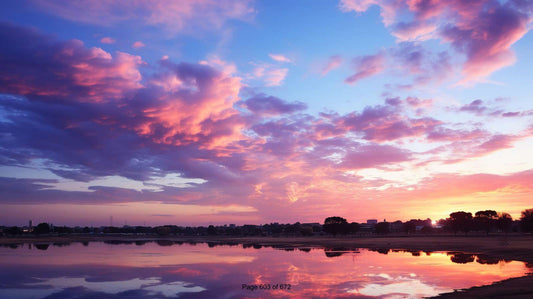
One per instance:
(372, 221)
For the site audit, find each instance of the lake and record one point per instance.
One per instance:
(167, 269)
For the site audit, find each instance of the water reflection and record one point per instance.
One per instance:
(144, 269)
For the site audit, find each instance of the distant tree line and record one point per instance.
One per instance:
(485, 221)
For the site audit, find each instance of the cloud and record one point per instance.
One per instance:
(279, 58)
(414, 31)
(174, 17)
(373, 155)
(138, 44)
(268, 105)
(383, 123)
(480, 108)
(483, 30)
(333, 62)
(367, 66)
(107, 40)
(486, 38)
(84, 114)
(475, 107)
(270, 74)
(89, 115)
(497, 142)
(64, 69)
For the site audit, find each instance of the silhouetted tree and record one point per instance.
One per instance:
(526, 221)
(427, 229)
(162, 230)
(63, 230)
(306, 230)
(382, 228)
(42, 228)
(491, 214)
(14, 230)
(484, 220)
(353, 227)
(461, 221)
(409, 226)
(504, 222)
(211, 230)
(335, 225)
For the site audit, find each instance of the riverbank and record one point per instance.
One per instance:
(513, 247)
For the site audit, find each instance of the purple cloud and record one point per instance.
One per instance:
(367, 66)
(484, 30)
(63, 70)
(475, 106)
(269, 105)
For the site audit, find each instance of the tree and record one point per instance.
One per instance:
(353, 227)
(484, 220)
(382, 228)
(461, 221)
(504, 222)
(410, 226)
(526, 221)
(427, 229)
(487, 213)
(306, 230)
(211, 230)
(335, 225)
(14, 230)
(42, 228)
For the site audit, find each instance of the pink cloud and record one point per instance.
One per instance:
(486, 39)
(200, 99)
(497, 142)
(388, 8)
(279, 58)
(367, 66)
(441, 134)
(414, 31)
(92, 74)
(275, 77)
(107, 40)
(186, 15)
(333, 62)
(384, 123)
(483, 30)
(269, 74)
(373, 155)
(417, 103)
(138, 44)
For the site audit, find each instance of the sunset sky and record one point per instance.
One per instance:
(212, 112)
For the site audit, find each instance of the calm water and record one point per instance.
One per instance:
(169, 270)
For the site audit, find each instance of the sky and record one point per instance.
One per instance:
(150, 112)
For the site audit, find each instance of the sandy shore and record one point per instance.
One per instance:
(516, 247)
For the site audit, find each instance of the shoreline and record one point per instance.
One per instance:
(519, 248)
